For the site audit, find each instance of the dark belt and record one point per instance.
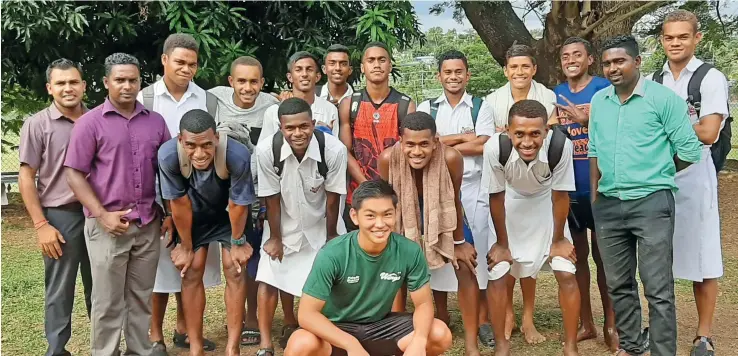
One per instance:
(73, 206)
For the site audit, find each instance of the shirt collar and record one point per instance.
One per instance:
(692, 66)
(161, 89)
(108, 108)
(467, 99)
(313, 151)
(55, 114)
(638, 90)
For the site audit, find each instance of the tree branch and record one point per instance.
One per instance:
(602, 19)
(497, 25)
(637, 11)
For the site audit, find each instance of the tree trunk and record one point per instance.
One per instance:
(499, 28)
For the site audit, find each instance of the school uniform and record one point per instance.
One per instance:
(458, 120)
(528, 206)
(697, 250)
(302, 192)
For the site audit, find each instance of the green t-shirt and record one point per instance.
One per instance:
(359, 288)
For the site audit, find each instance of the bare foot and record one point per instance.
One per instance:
(502, 348)
(571, 350)
(532, 336)
(586, 333)
(509, 325)
(612, 340)
(472, 352)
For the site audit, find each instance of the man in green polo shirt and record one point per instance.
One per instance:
(348, 295)
(639, 137)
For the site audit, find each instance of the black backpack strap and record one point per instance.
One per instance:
(433, 108)
(402, 108)
(505, 149)
(318, 90)
(355, 104)
(556, 149)
(277, 141)
(694, 97)
(322, 165)
(148, 97)
(658, 77)
(476, 107)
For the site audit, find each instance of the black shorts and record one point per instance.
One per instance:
(381, 337)
(580, 214)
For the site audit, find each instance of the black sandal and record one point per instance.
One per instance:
(180, 340)
(705, 347)
(486, 335)
(287, 331)
(250, 334)
(265, 352)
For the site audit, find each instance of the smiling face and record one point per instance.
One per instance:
(123, 83)
(180, 66)
(298, 130)
(575, 60)
(418, 147)
(679, 40)
(303, 75)
(619, 67)
(527, 136)
(454, 76)
(337, 67)
(246, 82)
(376, 65)
(520, 71)
(199, 147)
(375, 219)
(66, 87)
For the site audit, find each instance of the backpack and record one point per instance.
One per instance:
(555, 149)
(722, 146)
(402, 107)
(234, 130)
(476, 107)
(278, 141)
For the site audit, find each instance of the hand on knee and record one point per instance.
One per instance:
(193, 276)
(302, 342)
(439, 338)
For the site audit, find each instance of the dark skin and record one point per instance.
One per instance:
(298, 131)
(575, 62)
(338, 68)
(527, 136)
(200, 148)
(376, 65)
(246, 81)
(418, 146)
(123, 84)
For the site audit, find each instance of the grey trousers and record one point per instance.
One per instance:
(60, 276)
(638, 234)
(124, 269)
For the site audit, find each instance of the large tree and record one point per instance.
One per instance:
(500, 27)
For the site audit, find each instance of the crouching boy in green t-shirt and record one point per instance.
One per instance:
(347, 298)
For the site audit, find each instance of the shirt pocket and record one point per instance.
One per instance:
(313, 184)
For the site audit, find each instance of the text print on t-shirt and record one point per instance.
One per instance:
(393, 277)
(579, 134)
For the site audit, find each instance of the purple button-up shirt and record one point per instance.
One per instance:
(119, 156)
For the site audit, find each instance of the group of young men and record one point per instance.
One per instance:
(349, 200)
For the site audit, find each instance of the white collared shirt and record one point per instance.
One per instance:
(302, 188)
(458, 120)
(323, 111)
(325, 93)
(529, 179)
(501, 100)
(714, 90)
(172, 110)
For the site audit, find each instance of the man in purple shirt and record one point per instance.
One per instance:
(111, 163)
(55, 211)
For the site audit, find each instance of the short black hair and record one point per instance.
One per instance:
(301, 55)
(293, 106)
(572, 40)
(120, 59)
(180, 40)
(450, 55)
(247, 61)
(62, 64)
(520, 50)
(373, 189)
(337, 48)
(528, 108)
(375, 44)
(626, 42)
(418, 121)
(196, 121)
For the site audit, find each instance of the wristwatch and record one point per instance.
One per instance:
(239, 242)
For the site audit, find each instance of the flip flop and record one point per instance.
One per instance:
(487, 335)
(704, 347)
(180, 340)
(287, 331)
(265, 352)
(250, 334)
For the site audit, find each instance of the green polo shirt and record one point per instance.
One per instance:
(635, 142)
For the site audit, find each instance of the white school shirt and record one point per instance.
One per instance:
(172, 110)
(530, 179)
(325, 93)
(458, 120)
(302, 188)
(714, 90)
(323, 111)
